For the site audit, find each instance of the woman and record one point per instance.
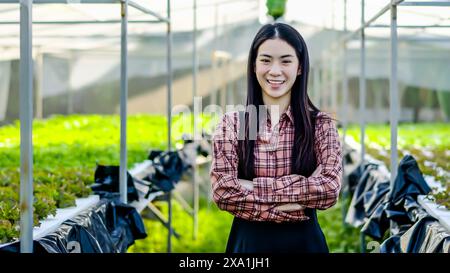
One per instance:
(273, 171)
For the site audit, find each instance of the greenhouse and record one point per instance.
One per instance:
(110, 110)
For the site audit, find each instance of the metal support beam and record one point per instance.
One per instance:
(130, 3)
(410, 26)
(26, 127)
(195, 117)
(145, 10)
(316, 81)
(344, 78)
(425, 4)
(169, 116)
(362, 86)
(333, 81)
(81, 22)
(39, 76)
(371, 20)
(214, 77)
(344, 112)
(62, 1)
(123, 101)
(393, 94)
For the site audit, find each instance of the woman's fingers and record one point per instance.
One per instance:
(246, 184)
(289, 207)
(317, 171)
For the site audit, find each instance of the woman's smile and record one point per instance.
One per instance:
(275, 84)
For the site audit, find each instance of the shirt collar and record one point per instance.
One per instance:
(287, 113)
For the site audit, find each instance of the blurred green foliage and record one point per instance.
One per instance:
(66, 150)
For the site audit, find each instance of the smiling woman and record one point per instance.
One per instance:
(276, 69)
(273, 180)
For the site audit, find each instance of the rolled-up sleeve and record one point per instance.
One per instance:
(228, 193)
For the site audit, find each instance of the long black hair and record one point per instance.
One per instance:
(304, 112)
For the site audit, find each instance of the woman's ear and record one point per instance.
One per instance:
(299, 72)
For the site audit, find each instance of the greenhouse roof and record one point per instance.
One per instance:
(103, 20)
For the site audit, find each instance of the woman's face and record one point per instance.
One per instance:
(276, 68)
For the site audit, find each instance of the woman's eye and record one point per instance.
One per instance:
(265, 60)
(287, 62)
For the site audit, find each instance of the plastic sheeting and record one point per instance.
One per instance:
(425, 236)
(107, 182)
(108, 227)
(169, 166)
(376, 209)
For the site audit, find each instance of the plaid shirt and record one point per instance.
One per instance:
(274, 184)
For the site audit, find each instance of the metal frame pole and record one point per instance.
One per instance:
(344, 110)
(333, 87)
(393, 93)
(39, 83)
(26, 127)
(70, 90)
(344, 78)
(169, 117)
(333, 59)
(123, 101)
(196, 137)
(213, 59)
(362, 86)
(316, 84)
(362, 99)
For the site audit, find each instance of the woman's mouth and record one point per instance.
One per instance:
(275, 83)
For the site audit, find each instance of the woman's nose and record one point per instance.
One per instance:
(275, 69)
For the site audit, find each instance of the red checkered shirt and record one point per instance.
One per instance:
(274, 184)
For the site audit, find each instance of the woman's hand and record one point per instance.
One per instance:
(246, 184)
(317, 171)
(290, 207)
(295, 206)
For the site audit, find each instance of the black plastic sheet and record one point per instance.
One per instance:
(169, 167)
(377, 209)
(371, 189)
(107, 227)
(427, 235)
(107, 182)
(408, 184)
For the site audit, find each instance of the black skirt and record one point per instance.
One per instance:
(270, 237)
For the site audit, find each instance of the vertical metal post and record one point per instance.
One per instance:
(324, 86)
(196, 136)
(362, 86)
(214, 60)
(123, 101)
(393, 93)
(169, 117)
(345, 105)
(317, 84)
(39, 83)
(223, 87)
(333, 86)
(69, 86)
(26, 126)
(333, 59)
